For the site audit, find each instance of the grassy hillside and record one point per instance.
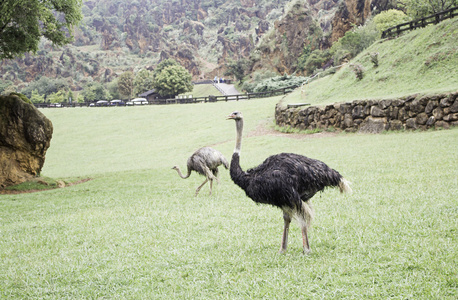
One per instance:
(421, 61)
(137, 232)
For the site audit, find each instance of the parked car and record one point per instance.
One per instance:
(102, 103)
(117, 103)
(140, 101)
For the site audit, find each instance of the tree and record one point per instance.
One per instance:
(237, 69)
(57, 97)
(126, 84)
(173, 80)
(422, 8)
(95, 91)
(162, 65)
(144, 81)
(36, 97)
(389, 18)
(24, 22)
(45, 86)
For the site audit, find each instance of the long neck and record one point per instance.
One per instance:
(181, 175)
(237, 174)
(238, 141)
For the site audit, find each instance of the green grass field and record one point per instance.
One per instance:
(135, 231)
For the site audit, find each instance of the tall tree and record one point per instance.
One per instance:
(237, 69)
(24, 22)
(164, 64)
(144, 81)
(173, 80)
(126, 84)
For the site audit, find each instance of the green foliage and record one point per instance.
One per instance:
(316, 60)
(58, 97)
(358, 70)
(422, 8)
(279, 82)
(249, 84)
(164, 64)
(126, 85)
(354, 41)
(389, 18)
(237, 69)
(374, 58)
(4, 84)
(144, 81)
(173, 80)
(24, 22)
(95, 91)
(45, 86)
(36, 97)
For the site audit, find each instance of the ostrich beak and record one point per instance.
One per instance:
(232, 116)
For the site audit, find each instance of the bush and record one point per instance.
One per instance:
(374, 58)
(279, 82)
(354, 42)
(389, 18)
(358, 70)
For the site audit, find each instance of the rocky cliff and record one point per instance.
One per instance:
(120, 35)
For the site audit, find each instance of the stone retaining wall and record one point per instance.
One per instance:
(411, 112)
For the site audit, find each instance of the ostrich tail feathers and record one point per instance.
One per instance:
(344, 186)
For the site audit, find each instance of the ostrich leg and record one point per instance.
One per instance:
(305, 240)
(200, 186)
(211, 185)
(284, 239)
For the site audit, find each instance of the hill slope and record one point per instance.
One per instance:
(421, 61)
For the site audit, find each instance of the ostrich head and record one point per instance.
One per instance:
(236, 115)
(175, 168)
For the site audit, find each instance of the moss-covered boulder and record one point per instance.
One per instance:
(25, 136)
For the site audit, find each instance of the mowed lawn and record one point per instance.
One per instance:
(136, 231)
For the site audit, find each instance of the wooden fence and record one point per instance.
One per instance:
(432, 19)
(246, 96)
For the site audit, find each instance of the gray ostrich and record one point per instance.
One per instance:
(287, 181)
(205, 161)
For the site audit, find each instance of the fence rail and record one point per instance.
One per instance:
(432, 19)
(208, 99)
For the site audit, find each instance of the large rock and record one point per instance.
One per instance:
(25, 135)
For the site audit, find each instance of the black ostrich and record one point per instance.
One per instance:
(287, 181)
(205, 161)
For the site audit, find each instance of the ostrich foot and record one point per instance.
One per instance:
(282, 251)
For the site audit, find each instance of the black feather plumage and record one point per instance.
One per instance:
(285, 180)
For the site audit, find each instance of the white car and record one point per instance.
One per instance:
(139, 101)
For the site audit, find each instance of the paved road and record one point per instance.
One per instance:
(227, 89)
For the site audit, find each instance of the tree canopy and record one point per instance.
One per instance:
(24, 22)
(126, 84)
(144, 81)
(173, 80)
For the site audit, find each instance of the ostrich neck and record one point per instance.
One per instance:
(181, 175)
(238, 142)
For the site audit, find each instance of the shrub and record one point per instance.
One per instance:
(278, 82)
(358, 70)
(374, 58)
(389, 18)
